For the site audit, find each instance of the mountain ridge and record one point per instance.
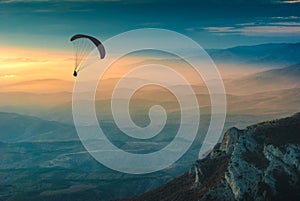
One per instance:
(260, 162)
(17, 128)
(281, 78)
(275, 54)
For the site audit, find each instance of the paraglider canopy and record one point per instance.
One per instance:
(83, 45)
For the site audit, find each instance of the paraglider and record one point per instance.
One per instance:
(75, 73)
(83, 45)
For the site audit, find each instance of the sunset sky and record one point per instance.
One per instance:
(34, 34)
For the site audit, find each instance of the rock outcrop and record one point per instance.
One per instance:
(261, 162)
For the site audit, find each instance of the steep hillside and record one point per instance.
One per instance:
(261, 162)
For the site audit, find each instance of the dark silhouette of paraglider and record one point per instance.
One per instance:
(75, 73)
(83, 45)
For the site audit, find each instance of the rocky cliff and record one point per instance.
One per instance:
(261, 162)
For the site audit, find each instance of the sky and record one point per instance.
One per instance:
(37, 32)
(212, 23)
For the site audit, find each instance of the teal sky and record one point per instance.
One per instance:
(212, 23)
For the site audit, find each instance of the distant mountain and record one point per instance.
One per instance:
(282, 102)
(260, 162)
(276, 79)
(39, 86)
(55, 171)
(18, 128)
(44, 160)
(281, 54)
(274, 91)
(291, 72)
(41, 99)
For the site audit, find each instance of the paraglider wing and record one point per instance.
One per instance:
(97, 43)
(83, 45)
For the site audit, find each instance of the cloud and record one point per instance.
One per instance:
(270, 30)
(286, 17)
(256, 30)
(273, 26)
(7, 76)
(285, 23)
(220, 29)
(32, 1)
(21, 60)
(290, 1)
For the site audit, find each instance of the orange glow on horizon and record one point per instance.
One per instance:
(23, 65)
(27, 64)
(46, 71)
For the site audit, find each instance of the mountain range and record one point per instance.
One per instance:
(274, 92)
(43, 159)
(19, 128)
(270, 55)
(266, 81)
(260, 162)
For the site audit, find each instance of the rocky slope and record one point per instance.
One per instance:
(261, 162)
